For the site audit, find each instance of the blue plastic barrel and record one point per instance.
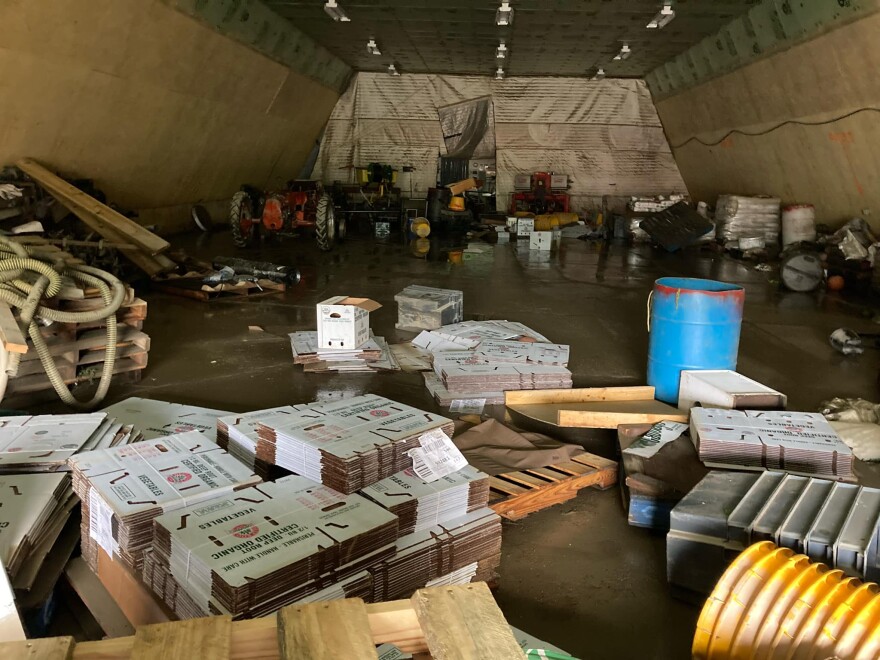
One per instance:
(694, 324)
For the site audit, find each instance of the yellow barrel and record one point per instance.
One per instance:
(456, 203)
(773, 603)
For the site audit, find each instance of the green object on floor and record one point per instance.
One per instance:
(550, 655)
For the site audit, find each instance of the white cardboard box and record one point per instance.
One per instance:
(540, 240)
(525, 226)
(726, 389)
(344, 322)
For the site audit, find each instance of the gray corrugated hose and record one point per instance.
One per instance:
(26, 282)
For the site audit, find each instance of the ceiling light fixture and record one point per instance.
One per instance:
(392, 70)
(624, 53)
(504, 15)
(335, 12)
(499, 74)
(501, 53)
(663, 18)
(600, 74)
(372, 48)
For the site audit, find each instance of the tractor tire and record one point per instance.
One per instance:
(341, 225)
(241, 208)
(325, 224)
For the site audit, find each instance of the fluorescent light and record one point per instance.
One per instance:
(372, 48)
(335, 12)
(501, 53)
(663, 18)
(624, 53)
(392, 70)
(504, 15)
(600, 74)
(499, 74)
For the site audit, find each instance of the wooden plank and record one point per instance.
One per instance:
(572, 468)
(326, 631)
(600, 414)
(97, 599)
(394, 622)
(579, 395)
(182, 640)
(464, 624)
(523, 478)
(103, 217)
(142, 260)
(50, 648)
(505, 487)
(10, 334)
(547, 473)
(592, 460)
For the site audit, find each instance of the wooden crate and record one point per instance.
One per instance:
(515, 495)
(444, 623)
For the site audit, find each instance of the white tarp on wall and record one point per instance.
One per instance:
(604, 134)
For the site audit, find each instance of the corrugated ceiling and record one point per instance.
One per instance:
(548, 37)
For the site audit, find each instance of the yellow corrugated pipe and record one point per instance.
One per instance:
(773, 603)
(549, 221)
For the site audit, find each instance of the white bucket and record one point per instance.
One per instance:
(798, 223)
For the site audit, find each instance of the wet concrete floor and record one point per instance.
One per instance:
(575, 575)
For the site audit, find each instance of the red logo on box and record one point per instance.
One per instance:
(179, 477)
(379, 413)
(245, 531)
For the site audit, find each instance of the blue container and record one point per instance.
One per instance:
(694, 324)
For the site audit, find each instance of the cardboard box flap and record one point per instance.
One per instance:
(364, 303)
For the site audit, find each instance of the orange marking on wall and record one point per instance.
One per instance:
(726, 143)
(844, 139)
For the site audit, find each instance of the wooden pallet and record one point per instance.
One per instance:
(444, 623)
(515, 495)
(194, 287)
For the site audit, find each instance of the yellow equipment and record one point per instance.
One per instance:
(456, 203)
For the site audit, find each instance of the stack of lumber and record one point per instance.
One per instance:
(138, 244)
(374, 355)
(124, 488)
(346, 445)
(444, 622)
(421, 505)
(248, 554)
(79, 349)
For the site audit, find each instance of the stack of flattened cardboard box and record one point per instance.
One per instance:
(797, 442)
(44, 443)
(343, 341)
(254, 551)
(237, 434)
(435, 552)
(124, 488)
(483, 359)
(346, 445)
(421, 505)
(33, 510)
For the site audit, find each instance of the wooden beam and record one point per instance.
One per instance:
(394, 622)
(10, 334)
(464, 624)
(579, 395)
(183, 640)
(326, 631)
(102, 215)
(50, 648)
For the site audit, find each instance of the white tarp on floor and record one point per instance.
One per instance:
(605, 135)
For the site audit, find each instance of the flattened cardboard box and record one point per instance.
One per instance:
(524, 352)
(25, 500)
(260, 530)
(344, 322)
(723, 388)
(26, 442)
(482, 330)
(157, 419)
(354, 426)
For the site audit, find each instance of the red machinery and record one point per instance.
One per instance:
(545, 194)
(303, 204)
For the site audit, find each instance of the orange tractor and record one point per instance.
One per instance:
(302, 205)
